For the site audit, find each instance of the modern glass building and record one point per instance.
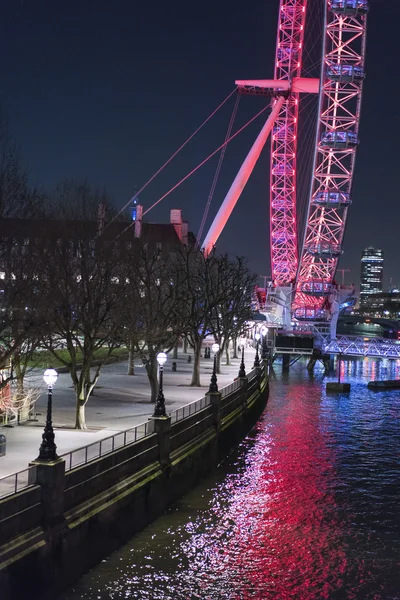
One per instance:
(371, 273)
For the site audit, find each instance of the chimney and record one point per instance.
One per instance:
(185, 232)
(138, 222)
(176, 220)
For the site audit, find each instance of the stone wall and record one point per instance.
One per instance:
(53, 532)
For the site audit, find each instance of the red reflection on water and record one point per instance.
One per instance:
(280, 536)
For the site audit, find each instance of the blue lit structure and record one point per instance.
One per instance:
(134, 208)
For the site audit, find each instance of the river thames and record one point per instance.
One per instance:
(307, 507)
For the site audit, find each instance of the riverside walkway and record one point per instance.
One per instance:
(120, 402)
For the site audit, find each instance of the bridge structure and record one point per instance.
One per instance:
(359, 347)
(304, 263)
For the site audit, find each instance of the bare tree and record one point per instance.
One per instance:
(83, 292)
(202, 290)
(153, 304)
(234, 307)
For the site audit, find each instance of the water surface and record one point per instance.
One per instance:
(306, 508)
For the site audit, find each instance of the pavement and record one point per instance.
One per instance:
(119, 402)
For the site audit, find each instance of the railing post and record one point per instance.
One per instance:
(162, 427)
(215, 401)
(244, 381)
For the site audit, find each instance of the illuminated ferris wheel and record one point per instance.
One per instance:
(307, 262)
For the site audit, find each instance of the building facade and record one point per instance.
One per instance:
(371, 273)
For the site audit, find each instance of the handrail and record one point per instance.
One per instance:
(17, 482)
(85, 454)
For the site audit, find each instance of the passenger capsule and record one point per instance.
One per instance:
(332, 199)
(339, 140)
(316, 288)
(325, 250)
(345, 73)
(349, 7)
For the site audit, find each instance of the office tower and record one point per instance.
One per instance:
(371, 273)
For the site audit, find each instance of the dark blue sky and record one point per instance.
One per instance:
(107, 90)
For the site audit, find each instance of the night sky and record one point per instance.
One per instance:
(106, 90)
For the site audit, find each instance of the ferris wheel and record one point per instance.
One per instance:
(307, 263)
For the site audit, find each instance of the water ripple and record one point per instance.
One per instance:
(305, 508)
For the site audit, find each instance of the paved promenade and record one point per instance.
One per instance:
(119, 402)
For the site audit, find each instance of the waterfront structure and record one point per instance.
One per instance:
(371, 274)
(382, 304)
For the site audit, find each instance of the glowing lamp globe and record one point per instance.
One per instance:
(161, 358)
(50, 377)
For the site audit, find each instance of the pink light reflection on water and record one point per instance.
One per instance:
(277, 539)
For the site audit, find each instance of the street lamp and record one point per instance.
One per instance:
(213, 385)
(264, 347)
(257, 358)
(47, 450)
(159, 410)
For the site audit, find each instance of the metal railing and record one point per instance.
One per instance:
(81, 456)
(252, 374)
(189, 409)
(12, 484)
(229, 389)
(358, 346)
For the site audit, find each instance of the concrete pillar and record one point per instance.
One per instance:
(215, 401)
(311, 364)
(51, 478)
(162, 427)
(243, 385)
(285, 361)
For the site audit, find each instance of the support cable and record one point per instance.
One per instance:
(199, 165)
(171, 157)
(217, 171)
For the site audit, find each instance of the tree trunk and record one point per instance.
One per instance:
(80, 420)
(151, 370)
(227, 355)
(131, 361)
(175, 351)
(185, 345)
(235, 355)
(196, 366)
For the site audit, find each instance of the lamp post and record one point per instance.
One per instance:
(264, 347)
(213, 385)
(257, 358)
(47, 450)
(242, 367)
(159, 409)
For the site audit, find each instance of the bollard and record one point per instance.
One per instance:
(174, 367)
(189, 359)
(2, 445)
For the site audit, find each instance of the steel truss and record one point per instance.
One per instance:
(340, 102)
(376, 347)
(283, 224)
